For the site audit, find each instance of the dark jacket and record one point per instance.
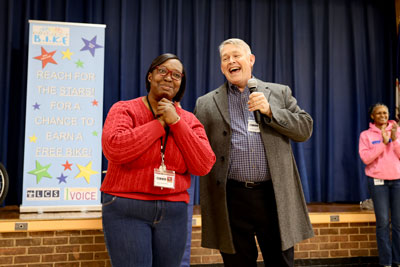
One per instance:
(289, 122)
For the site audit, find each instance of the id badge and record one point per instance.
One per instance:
(164, 178)
(252, 126)
(379, 182)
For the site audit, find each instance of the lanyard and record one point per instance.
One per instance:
(163, 146)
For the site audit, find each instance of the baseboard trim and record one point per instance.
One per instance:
(354, 261)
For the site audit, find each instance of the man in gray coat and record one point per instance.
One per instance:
(254, 188)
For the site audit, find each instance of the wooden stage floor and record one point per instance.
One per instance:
(10, 217)
(12, 212)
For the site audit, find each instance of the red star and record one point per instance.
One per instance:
(95, 103)
(46, 57)
(67, 166)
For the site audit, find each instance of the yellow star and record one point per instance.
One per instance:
(67, 54)
(32, 139)
(86, 171)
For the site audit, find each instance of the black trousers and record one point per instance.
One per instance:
(252, 212)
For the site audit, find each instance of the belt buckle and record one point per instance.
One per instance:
(249, 184)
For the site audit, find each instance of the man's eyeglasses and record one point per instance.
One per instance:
(163, 71)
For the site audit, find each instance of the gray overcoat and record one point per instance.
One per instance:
(289, 122)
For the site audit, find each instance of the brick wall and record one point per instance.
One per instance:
(331, 240)
(339, 240)
(53, 248)
(87, 248)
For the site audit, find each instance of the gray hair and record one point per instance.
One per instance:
(372, 108)
(237, 42)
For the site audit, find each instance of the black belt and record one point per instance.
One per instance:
(247, 184)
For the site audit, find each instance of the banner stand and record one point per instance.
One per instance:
(64, 117)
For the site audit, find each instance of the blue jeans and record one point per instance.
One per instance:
(186, 256)
(386, 200)
(144, 233)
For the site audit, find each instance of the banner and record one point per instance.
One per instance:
(64, 117)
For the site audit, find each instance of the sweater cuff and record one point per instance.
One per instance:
(178, 125)
(159, 127)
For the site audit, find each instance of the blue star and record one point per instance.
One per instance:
(90, 45)
(62, 178)
(36, 106)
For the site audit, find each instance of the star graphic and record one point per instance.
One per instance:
(46, 57)
(36, 106)
(67, 54)
(90, 45)
(94, 133)
(86, 171)
(32, 139)
(62, 179)
(95, 103)
(79, 63)
(40, 171)
(67, 166)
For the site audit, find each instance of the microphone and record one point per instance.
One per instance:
(252, 85)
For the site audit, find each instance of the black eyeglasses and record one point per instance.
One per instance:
(163, 71)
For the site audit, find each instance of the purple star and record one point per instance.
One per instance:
(62, 178)
(36, 106)
(90, 45)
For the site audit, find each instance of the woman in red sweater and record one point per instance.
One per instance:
(152, 146)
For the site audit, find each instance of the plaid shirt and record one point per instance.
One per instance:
(247, 158)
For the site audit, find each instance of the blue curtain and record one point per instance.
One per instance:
(336, 55)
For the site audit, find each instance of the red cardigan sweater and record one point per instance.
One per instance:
(131, 143)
